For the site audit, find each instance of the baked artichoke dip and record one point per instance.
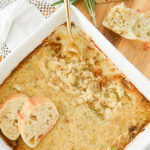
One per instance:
(99, 107)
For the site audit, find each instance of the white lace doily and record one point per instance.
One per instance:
(43, 5)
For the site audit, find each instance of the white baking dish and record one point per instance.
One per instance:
(56, 19)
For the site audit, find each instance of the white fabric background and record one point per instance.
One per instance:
(18, 21)
(42, 5)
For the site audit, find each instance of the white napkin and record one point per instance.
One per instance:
(17, 21)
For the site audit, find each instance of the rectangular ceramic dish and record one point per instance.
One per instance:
(58, 18)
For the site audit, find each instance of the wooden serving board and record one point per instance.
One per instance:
(138, 57)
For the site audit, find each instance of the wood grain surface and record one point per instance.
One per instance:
(138, 57)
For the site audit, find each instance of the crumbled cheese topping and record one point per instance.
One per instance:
(84, 82)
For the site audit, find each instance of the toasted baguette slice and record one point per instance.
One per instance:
(38, 117)
(130, 24)
(9, 117)
(121, 20)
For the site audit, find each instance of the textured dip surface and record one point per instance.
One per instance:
(99, 109)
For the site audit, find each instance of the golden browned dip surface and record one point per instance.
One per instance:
(99, 109)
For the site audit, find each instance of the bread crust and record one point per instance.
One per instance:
(134, 18)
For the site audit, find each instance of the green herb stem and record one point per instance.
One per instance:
(62, 1)
(90, 6)
(56, 3)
